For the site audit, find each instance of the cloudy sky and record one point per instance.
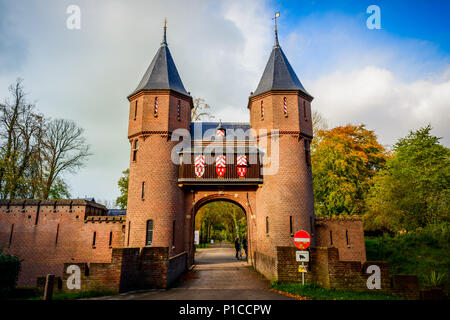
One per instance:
(394, 79)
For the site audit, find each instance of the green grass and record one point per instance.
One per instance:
(315, 292)
(202, 245)
(425, 253)
(77, 295)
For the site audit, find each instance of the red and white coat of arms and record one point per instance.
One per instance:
(220, 165)
(199, 165)
(241, 165)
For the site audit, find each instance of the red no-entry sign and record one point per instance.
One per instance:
(302, 240)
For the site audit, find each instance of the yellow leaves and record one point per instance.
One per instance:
(344, 161)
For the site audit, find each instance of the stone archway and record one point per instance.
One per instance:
(242, 198)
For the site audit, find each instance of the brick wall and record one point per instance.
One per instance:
(266, 265)
(177, 265)
(130, 269)
(49, 233)
(343, 233)
(327, 270)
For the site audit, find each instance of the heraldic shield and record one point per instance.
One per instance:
(199, 166)
(220, 165)
(241, 165)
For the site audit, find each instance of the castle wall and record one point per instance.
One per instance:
(327, 269)
(50, 237)
(343, 233)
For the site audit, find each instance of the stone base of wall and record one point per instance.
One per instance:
(266, 265)
(326, 270)
(130, 269)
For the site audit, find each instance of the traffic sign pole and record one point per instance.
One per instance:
(302, 240)
(303, 274)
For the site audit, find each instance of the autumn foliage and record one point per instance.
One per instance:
(344, 162)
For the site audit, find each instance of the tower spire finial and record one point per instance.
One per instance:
(277, 15)
(164, 43)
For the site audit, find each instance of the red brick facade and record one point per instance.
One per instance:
(46, 234)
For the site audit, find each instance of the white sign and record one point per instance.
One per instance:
(197, 237)
(302, 256)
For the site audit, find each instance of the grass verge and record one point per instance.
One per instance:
(311, 291)
(77, 295)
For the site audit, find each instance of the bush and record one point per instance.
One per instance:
(9, 272)
(424, 252)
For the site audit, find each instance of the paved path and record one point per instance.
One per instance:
(217, 275)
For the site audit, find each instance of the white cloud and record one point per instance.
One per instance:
(220, 49)
(376, 97)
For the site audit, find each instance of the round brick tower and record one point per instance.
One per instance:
(159, 105)
(280, 114)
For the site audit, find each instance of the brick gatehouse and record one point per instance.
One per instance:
(176, 167)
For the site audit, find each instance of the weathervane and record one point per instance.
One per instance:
(277, 15)
(165, 29)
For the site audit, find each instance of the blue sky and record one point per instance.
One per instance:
(420, 19)
(394, 80)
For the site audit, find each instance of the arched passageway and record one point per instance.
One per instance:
(218, 224)
(221, 218)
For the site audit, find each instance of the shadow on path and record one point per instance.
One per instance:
(217, 275)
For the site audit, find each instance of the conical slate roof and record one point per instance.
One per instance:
(278, 74)
(162, 72)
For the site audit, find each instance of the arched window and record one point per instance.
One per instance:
(262, 110)
(307, 152)
(155, 108)
(143, 190)
(93, 239)
(304, 111)
(135, 149)
(291, 226)
(179, 110)
(173, 233)
(149, 233)
(135, 109)
(267, 225)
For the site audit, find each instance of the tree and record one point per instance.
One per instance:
(19, 127)
(413, 190)
(221, 220)
(63, 149)
(35, 151)
(344, 161)
(318, 122)
(121, 200)
(200, 110)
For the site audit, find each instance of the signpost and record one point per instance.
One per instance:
(197, 237)
(302, 256)
(302, 240)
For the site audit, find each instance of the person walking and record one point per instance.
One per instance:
(237, 246)
(244, 245)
